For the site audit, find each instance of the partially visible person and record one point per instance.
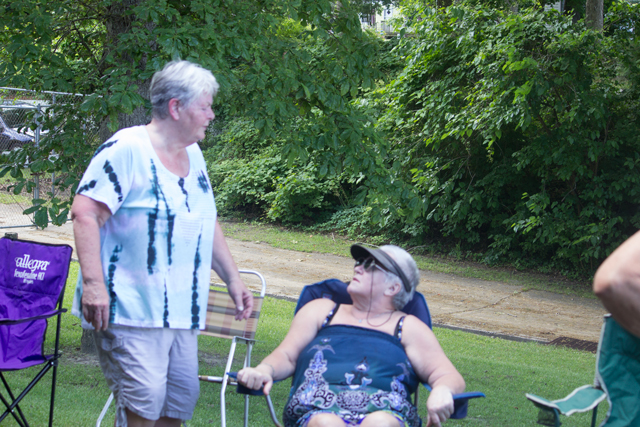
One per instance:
(358, 364)
(147, 236)
(617, 284)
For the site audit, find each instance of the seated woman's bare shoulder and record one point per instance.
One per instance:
(315, 311)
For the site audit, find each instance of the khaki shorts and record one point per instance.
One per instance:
(153, 372)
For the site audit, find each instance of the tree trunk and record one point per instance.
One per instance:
(118, 22)
(595, 14)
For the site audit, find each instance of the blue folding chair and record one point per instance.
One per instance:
(336, 290)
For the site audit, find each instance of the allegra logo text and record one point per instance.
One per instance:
(31, 264)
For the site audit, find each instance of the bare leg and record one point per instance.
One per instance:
(325, 420)
(135, 420)
(380, 419)
(168, 422)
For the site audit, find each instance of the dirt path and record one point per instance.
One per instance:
(454, 301)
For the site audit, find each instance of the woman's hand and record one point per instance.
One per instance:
(256, 378)
(439, 406)
(242, 297)
(95, 305)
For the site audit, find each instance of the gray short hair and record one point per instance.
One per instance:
(409, 268)
(182, 80)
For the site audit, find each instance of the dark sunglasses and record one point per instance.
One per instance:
(368, 264)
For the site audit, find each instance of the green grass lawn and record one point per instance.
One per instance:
(503, 370)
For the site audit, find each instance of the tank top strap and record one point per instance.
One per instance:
(398, 331)
(332, 313)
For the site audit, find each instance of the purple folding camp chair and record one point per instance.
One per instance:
(32, 280)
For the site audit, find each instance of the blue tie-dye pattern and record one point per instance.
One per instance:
(144, 300)
(170, 222)
(195, 308)
(186, 195)
(113, 298)
(153, 217)
(104, 146)
(88, 186)
(202, 182)
(165, 314)
(113, 178)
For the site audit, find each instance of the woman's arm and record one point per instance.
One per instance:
(223, 264)
(433, 367)
(617, 284)
(281, 363)
(88, 216)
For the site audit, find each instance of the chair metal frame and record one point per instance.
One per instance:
(50, 362)
(225, 380)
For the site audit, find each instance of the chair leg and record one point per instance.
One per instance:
(104, 410)
(7, 412)
(594, 417)
(272, 411)
(22, 421)
(247, 362)
(53, 390)
(225, 381)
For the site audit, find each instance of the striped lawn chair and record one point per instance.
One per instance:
(222, 324)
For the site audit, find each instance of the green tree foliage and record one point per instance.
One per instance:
(514, 135)
(313, 166)
(521, 131)
(110, 48)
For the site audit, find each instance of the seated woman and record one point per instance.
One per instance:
(358, 364)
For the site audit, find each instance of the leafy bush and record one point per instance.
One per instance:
(514, 135)
(521, 131)
(249, 176)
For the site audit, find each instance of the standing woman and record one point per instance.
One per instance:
(147, 236)
(358, 364)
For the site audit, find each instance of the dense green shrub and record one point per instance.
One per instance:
(522, 131)
(250, 177)
(514, 135)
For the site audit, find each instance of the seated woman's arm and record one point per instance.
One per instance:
(433, 367)
(281, 363)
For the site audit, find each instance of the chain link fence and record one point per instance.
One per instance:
(22, 114)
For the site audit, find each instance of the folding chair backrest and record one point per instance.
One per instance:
(32, 280)
(221, 320)
(618, 372)
(336, 290)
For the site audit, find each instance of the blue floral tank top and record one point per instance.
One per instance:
(352, 371)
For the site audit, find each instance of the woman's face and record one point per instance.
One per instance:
(195, 119)
(366, 275)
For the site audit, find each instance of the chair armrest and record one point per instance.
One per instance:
(460, 402)
(244, 390)
(29, 319)
(581, 399)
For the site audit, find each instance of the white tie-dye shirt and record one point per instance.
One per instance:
(156, 247)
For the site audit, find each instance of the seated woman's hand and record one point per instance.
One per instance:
(256, 378)
(439, 406)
